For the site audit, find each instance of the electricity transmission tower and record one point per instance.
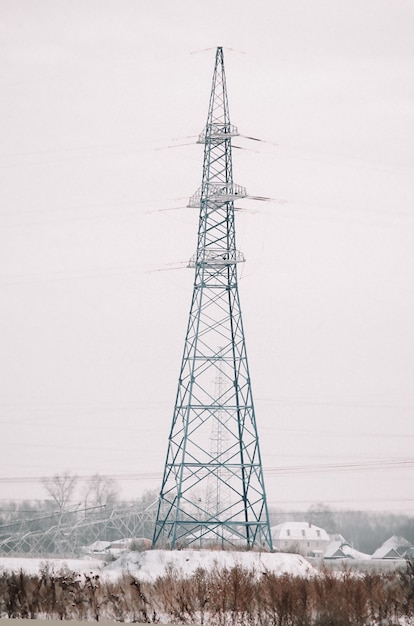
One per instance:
(214, 349)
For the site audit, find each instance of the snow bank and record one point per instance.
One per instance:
(153, 563)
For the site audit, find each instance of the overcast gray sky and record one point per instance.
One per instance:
(93, 94)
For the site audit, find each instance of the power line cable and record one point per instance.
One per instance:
(390, 464)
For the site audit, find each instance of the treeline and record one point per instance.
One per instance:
(365, 531)
(222, 597)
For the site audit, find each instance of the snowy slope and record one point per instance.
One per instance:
(153, 563)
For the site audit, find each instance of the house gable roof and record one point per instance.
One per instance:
(394, 548)
(340, 549)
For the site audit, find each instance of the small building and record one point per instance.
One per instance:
(300, 537)
(394, 548)
(339, 548)
(119, 546)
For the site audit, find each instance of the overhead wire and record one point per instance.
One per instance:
(290, 215)
(385, 464)
(74, 207)
(390, 464)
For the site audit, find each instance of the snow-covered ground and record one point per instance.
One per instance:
(150, 564)
(34, 566)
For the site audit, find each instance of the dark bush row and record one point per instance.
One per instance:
(223, 597)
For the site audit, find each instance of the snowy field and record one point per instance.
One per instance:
(150, 564)
(33, 566)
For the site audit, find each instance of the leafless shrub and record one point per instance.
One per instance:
(407, 583)
(201, 591)
(116, 606)
(18, 593)
(233, 596)
(277, 598)
(174, 596)
(230, 595)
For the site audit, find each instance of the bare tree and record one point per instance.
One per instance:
(61, 488)
(322, 515)
(101, 491)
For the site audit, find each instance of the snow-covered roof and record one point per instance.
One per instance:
(340, 549)
(355, 554)
(394, 548)
(397, 542)
(386, 553)
(97, 546)
(298, 531)
(334, 551)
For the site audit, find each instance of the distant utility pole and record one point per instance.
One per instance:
(214, 349)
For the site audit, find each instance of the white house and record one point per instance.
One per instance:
(300, 537)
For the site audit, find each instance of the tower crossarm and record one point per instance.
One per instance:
(217, 132)
(216, 258)
(219, 193)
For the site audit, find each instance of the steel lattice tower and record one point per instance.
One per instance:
(214, 347)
